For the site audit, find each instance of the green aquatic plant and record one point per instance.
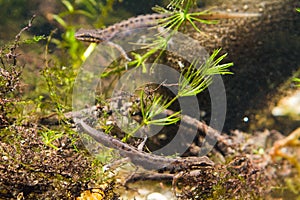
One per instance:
(192, 80)
(61, 66)
(13, 108)
(191, 83)
(157, 106)
(49, 136)
(180, 15)
(89, 10)
(297, 81)
(181, 3)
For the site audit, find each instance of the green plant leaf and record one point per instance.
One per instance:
(297, 81)
(68, 5)
(194, 80)
(60, 20)
(35, 39)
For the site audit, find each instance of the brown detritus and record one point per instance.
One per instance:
(30, 168)
(10, 74)
(291, 141)
(239, 178)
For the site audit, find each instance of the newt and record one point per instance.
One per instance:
(146, 160)
(144, 21)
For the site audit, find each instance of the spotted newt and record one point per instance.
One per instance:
(143, 21)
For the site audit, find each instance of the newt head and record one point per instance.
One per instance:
(89, 35)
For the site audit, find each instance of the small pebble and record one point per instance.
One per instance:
(245, 7)
(156, 196)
